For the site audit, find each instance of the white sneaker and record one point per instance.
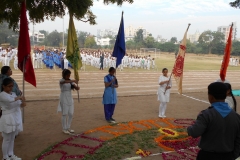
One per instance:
(13, 157)
(113, 121)
(66, 132)
(6, 159)
(70, 130)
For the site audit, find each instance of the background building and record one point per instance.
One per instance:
(193, 38)
(106, 33)
(225, 30)
(160, 39)
(102, 41)
(130, 32)
(38, 37)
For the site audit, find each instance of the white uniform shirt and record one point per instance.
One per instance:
(230, 102)
(11, 119)
(162, 88)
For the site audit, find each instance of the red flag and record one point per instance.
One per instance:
(179, 63)
(24, 48)
(226, 57)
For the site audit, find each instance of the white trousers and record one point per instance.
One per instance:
(7, 61)
(67, 120)
(8, 144)
(162, 109)
(40, 64)
(35, 64)
(16, 65)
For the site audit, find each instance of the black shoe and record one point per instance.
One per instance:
(112, 119)
(109, 121)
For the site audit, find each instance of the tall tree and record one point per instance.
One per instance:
(149, 42)
(211, 39)
(7, 35)
(173, 40)
(235, 4)
(139, 36)
(54, 39)
(236, 48)
(44, 32)
(39, 10)
(90, 42)
(82, 38)
(130, 44)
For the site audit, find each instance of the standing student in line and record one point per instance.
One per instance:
(66, 103)
(110, 95)
(101, 61)
(165, 84)
(11, 121)
(6, 72)
(218, 126)
(230, 99)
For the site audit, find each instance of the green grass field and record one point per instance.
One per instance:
(192, 63)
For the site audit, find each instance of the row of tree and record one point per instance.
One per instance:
(55, 39)
(208, 42)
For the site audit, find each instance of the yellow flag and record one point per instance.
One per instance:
(179, 63)
(73, 54)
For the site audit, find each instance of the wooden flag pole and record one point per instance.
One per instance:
(77, 85)
(23, 91)
(168, 83)
(78, 94)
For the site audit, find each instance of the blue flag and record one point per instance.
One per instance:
(119, 47)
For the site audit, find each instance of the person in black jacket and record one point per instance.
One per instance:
(218, 126)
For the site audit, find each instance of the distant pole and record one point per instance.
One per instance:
(33, 33)
(24, 62)
(63, 31)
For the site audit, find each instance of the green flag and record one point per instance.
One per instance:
(73, 54)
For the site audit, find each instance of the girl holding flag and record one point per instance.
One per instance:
(11, 121)
(165, 84)
(66, 103)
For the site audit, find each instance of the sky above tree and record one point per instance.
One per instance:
(159, 17)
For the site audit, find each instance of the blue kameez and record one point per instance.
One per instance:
(109, 98)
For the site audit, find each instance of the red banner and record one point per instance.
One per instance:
(24, 48)
(226, 57)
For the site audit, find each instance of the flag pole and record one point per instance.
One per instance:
(24, 61)
(168, 83)
(78, 95)
(174, 65)
(78, 90)
(23, 91)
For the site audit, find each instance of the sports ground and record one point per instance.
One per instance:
(137, 102)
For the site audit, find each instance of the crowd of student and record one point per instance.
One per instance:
(6, 55)
(234, 61)
(97, 58)
(54, 58)
(51, 59)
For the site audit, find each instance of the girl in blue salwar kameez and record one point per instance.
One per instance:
(110, 95)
